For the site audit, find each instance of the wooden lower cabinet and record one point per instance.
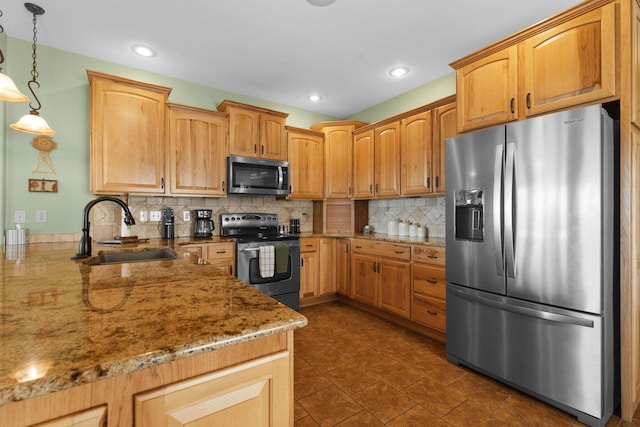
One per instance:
(317, 270)
(247, 384)
(222, 255)
(343, 266)
(251, 394)
(429, 287)
(382, 281)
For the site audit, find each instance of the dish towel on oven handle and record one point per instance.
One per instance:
(267, 261)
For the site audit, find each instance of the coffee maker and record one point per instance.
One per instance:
(203, 224)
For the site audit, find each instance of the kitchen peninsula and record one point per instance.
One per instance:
(138, 343)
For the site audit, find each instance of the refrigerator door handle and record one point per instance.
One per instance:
(525, 311)
(497, 209)
(509, 211)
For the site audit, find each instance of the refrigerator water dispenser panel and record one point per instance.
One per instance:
(469, 223)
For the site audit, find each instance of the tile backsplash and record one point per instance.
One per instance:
(428, 211)
(107, 218)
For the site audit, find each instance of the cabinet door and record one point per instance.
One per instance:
(306, 165)
(363, 278)
(257, 393)
(95, 417)
(343, 266)
(197, 151)
(572, 63)
(387, 160)
(445, 126)
(127, 136)
(222, 255)
(416, 154)
(327, 277)
(243, 132)
(487, 90)
(273, 138)
(309, 275)
(394, 279)
(338, 162)
(363, 164)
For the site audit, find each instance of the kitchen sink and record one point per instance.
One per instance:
(156, 254)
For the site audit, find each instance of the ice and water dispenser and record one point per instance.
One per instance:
(469, 224)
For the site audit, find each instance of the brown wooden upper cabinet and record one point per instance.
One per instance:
(197, 150)
(127, 124)
(552, 66)
(338, 157)
(376, 162)
(306, 150)
(255, 131)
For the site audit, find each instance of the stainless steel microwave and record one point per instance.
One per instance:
(261, 177)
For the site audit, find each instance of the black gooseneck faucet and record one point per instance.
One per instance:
(84, 250)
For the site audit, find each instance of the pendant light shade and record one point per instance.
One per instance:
(32, 122)
(9, 92)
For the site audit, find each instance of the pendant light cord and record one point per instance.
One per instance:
(1, 54)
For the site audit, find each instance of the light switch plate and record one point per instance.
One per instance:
(186, 216)
(144, 216)
(156, 215)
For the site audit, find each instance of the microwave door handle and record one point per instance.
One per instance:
(280, 177)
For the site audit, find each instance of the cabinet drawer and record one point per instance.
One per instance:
(429, 255)
(308, 244)
(429, 281)
(219, 251)
(387, 250)
(430, 312)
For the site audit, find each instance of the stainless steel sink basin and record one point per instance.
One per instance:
(156, 254)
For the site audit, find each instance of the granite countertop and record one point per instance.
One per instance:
(65, 323)
(426, 241)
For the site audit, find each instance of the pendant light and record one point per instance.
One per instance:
(8, 90)
(32, 122)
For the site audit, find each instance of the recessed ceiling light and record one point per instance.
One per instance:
(314, 98)
(399, 71)
(142, 50)
(320, 3)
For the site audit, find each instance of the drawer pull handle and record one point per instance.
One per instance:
(432, 256)
(432, 281)
(358, 247)
(399, 252)
(433, 313)
(221, 252)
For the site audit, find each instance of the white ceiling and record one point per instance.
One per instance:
(283, 50)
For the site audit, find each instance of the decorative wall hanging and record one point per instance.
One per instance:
(43, 185)
(44, 144)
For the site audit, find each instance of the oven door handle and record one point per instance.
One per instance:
(249, 250)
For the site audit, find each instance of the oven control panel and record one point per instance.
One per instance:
(236, 223)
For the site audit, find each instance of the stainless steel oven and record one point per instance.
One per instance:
(254, 231)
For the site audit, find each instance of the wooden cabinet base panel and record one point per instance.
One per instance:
(306, 302)
(431, 333)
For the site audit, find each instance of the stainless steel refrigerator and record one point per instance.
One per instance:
(532, 264)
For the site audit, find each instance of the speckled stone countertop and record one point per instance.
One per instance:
(65, 323)
(426, 241)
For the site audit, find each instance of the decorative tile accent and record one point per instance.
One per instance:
(428, 211)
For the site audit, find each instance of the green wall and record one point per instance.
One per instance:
(64, 94)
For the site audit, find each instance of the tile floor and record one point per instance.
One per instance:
(354, 369)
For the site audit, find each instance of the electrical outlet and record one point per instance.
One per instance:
(186, 216)
(144, 216)
(156, 215)
(20, 217)
(41, 216)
